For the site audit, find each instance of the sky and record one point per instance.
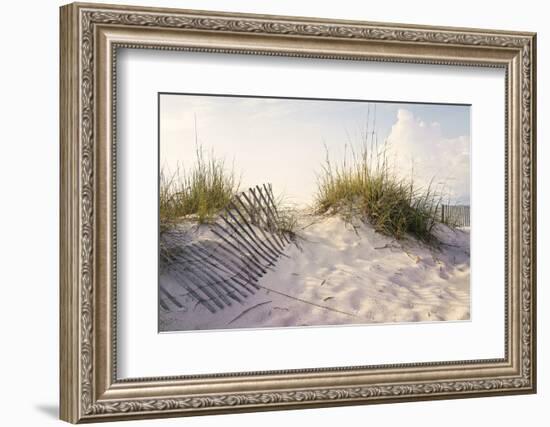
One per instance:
(285, 141)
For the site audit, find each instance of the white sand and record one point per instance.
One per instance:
(339, 274)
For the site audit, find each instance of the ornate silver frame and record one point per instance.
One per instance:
(90, 36)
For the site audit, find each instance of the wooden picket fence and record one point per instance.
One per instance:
(218, 273)
(457, 215)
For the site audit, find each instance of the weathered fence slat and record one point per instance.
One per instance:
(271, 249)
(271, 206)
(270, 216)
(268, 224)
(251, 258)
(255, 242)
(244, 243)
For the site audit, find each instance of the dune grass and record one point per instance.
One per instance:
(364, 186)
(287, 221)
(199, 193)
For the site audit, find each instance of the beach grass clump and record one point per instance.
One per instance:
(199, 193)
(365, 186)
(286, 218)
(287, 221)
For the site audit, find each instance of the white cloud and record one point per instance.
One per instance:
(413, 143)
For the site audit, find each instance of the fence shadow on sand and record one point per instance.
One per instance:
(244, 241)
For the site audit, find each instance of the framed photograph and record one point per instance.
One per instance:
(266, 212)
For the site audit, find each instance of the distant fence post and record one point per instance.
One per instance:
(457, 215)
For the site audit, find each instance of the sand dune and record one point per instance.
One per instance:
(337, 273)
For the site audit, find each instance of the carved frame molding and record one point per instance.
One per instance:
(90, 37)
